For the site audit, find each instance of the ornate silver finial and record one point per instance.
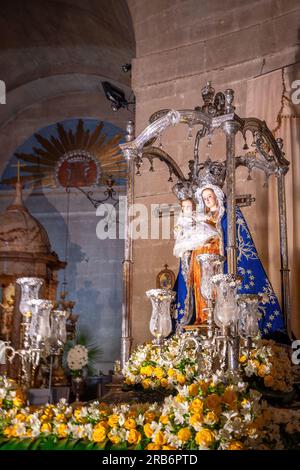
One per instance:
(129, 131)
(229, 96)
(208, 93)
(212, 173)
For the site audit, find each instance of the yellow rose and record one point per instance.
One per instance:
(229, 398)
(14, 432)
(164, 419)
(113, 438)
(18, 402)
(46, 427)
(113, 420)
(130, 424)
(195, 419)
(193, 390)
(77, 415)
(184, 434)
(180, 379)
(62, 430)
(8, 432)
(44, 417)
(20, 394)
(158, 372)
(243, 359)
(211, 418)
(152, 446)
(28, 419)
(148, 430)
(164, 383)
(146, 383)
(149, 416)
(168, 448)
(236, 445)
(171, 372)
(104, 424)
(147, 370)
(134, 436)
(128, 381)
(20, 417)
(60, 418)
(205, 438)
(212, 402)
(262, 370)
(160, 438)
(99, 434)
(196, 406)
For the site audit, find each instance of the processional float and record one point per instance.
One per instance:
(217, 113)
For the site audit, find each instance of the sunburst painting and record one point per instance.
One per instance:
(73, 153)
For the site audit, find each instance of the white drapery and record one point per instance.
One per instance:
(264, 95)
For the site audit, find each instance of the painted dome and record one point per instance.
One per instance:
(20, 231)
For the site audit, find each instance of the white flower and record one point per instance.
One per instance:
(77, 357)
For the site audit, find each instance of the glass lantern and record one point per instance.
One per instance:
(211, 265)
(39, 330)
(30, 287)
(248, 316)
(226, 310)
(58, 336)
(160, 322)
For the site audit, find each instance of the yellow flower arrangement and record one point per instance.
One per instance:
(213, 413)
(269, 363)
(207, 413)
(146, 368)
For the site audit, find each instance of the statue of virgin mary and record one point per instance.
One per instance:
(190, 305)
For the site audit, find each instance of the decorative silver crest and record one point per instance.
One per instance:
(212, 173)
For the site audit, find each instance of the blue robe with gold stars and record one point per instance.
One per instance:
(255, 279)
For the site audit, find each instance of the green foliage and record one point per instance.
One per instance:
(183, 363)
